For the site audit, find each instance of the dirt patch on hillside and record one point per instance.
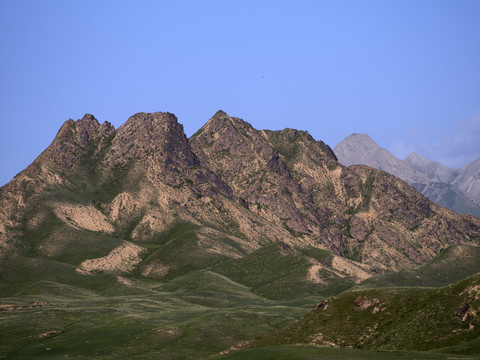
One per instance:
(121, 259)
(125, 281)
(472, 292)
(313, 274)
(152, 223)
(319, 339)
(349, 268)
(122, 205)
(155, 270)
(83, 217)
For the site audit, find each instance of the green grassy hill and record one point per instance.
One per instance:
(449, 266)
(305, 352)
(406, 318)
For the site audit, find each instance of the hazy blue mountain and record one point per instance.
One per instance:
(358, 149)
(434, 170)
(456, 189)
(468, 179)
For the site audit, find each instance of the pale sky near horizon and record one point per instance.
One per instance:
(406, 72)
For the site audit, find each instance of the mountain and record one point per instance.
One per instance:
(251, 186)
(192, 238)
(468, 179)
(361, 149)
(433, 170)
(449, 196)
(441, 184)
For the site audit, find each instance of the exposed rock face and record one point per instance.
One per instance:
(64, 149)
(121, 259)
(156, 135)
(243, 188)
(457, 189)
(245, 159)
(320, 305)
(295, 181)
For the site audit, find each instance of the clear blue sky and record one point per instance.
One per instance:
(405, 72)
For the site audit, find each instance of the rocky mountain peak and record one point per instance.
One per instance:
(222, 123)
(88, 128)
(157, 135)
(88, 119)
(292, 143)
(415, 157)
(357, 142)
(220, 114)
(75, 134)
(217, 123)
(224, 135)
(362, 138)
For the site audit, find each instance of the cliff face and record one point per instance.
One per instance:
(240, 188)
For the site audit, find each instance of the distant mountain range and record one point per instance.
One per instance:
(457, 189)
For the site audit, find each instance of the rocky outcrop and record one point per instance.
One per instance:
(463, 313)
(157, 135)
(319, 305)
(362, 303)
(74, 136)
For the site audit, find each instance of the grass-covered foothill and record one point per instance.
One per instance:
(305, 352)
(49, 320)
(50, 311)
(391, 319)
(449, 266)
(278, 274)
